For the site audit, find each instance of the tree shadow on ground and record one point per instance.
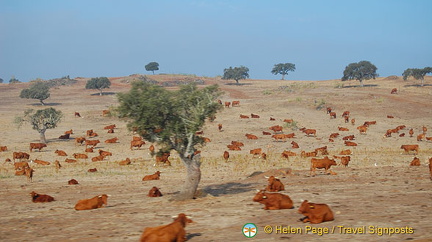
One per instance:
(228, 188)
(103, 94)
(418, 85)
(238, 84)
(190, 236)
(355, 86)
(46, 104)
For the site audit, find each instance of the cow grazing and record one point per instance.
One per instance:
(226, 156)
(80, 156)
(112, 126)
(154, 192)
(125, 162)
(29, 173)
(328, 110)
(92, 170)
(77, 115)
(415, 162)
(278, 137)
(227, 104)
(350, 143)
(273, 201)
(136, 143)
(172, 232)
(255, 152)
(287, 154)
(408, 148)
(155, 176)
(92, 143)
(346, 114)
(80, 140)
(73, 182)
(220, 127)
(235, 103)
(243, 116)
(393, 91)
(254, 115)
(112, 140)
(20, 156)
(309, 132)
(276, 128)
(274, 184)
(40, 198)
(40, 162)
(92, 203)
(315, 213)
(37, 146)
(295, 145)
(65, 136)
(60, 153)
(324, 163)
(362, 129)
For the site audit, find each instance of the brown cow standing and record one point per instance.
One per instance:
(172, 232)
(220, 127)
(92, 203)
(393, 91)
(408, 148)
(37, 146)
(274, 184)
(40, 198)
(29, 174)
(155, 176)
(273, 201)
(154, 192)
(324, 163)
(315, 213)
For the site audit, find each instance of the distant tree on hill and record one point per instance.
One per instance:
(363, 70)
(13, 80)
(98, 83)
(1, 80)
(283, 69)
(171, 119)
(236, 73)
(417, 73)
(41, 120)
(38, 90)
(152, 66)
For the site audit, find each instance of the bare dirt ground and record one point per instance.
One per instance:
(377, 190)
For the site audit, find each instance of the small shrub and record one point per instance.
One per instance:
(320, 104)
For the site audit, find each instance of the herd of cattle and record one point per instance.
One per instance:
(271, 196)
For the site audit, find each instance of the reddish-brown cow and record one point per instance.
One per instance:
(273, 201)
(155, 176)
(172, 232)
(92, 203)
(315, 213)
(40, 198)
(37, 146)
(154, 192)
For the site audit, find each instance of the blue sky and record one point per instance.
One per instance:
(90, 38)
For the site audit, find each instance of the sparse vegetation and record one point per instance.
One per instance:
(14, 80)
(319, 104)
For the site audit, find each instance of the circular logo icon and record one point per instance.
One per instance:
(250, 230)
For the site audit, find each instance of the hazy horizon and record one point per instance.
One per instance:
(49, 39)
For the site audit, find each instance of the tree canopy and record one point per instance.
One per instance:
(38, 90)
(417, 73)
(41, 120)
(283, 69)
(363, 70)
(1, 80)
(98, 83)
(152, 66)
(14, 80)
(236, 73)
(171, 119)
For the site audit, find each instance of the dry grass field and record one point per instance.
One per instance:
(377, 190)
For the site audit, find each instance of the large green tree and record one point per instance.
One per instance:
(171, 119)
(41, 120)
(152, 66)
(283, 69)
(236, 73)
(417, 73)
(363, 70)
(98, 83)
(38, 90)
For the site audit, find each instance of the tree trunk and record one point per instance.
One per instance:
(42, 136)
(237, 81)
(361, 83)
(41, 101)
(422, 82)
(283, 76)
(193, 178)
(100, 92)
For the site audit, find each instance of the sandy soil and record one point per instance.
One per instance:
(377, 190)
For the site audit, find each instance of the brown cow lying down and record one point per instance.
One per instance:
(73, 182)
(40, 198)
(415, 162)
(315, 213)
(172, 232)
(92, 203)
(273, 201)
(155, 176)
(154, 192)
(274, 184)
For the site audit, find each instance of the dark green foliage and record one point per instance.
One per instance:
(98, 83)
(38, 90)
(236, 73)
(41, 120)
(14, 80)
(417, 73)
(283, 69)
(152, 66)
(363, 70)
(1, 80)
